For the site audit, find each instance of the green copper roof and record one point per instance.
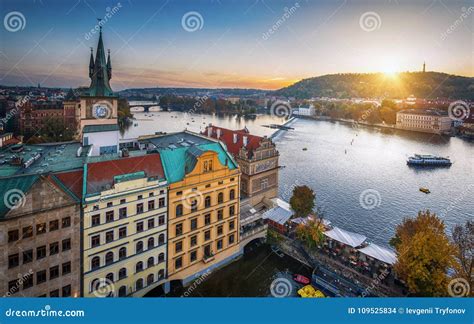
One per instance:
(100, 128)
(177, 162)
(129, 176)
(12, 189)
(100, 73)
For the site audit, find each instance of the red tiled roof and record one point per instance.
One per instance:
(227, 136)
(72, 180)
(101, 174)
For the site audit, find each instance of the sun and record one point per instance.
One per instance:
(390, 67)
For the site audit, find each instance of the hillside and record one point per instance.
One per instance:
(427, 85)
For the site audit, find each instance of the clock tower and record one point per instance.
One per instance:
(98, 126)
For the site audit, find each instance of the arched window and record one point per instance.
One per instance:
(122, 291)
(194, 205)
(109, 258)
(207, 202)
(95, 263)
(151, 243)
(220, 198)
(122, 273)
(161, 274)
(139, 247)
(161, 239)
(161, 257)
(110, 277)
(122, 253)
(150, 262)
(179, 210)
(95, 284)
(139, 266)
(232, 194)
(139, 284)
(150, 279)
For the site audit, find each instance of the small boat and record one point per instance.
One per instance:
(308, 291)
(305, 149)
(428, 160)
(425, 190)
(301, 279)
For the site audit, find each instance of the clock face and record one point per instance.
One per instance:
(101, 110)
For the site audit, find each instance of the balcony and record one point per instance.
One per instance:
(208, 257)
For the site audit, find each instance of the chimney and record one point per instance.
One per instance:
(235, 138)
(245, 138)
(218, 133)
(209, 131)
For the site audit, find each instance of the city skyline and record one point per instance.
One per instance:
(218, 44)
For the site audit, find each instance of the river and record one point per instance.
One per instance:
(364, 187)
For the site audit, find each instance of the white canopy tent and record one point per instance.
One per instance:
(379, 253)
(348, 238)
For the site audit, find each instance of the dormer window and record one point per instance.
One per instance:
(207, 166)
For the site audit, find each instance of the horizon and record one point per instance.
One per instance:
(228, 45)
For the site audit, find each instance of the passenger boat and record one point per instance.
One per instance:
(308, 291)
(301, 279)
(425, 190)
(428, 160)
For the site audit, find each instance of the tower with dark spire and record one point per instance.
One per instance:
(424, 67)
(100, 72)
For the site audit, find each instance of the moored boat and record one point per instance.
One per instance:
(425, 190)
(301, 279)
(428, 160)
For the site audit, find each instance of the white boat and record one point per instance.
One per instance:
(428, 160)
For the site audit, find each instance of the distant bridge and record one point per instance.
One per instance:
(143, 105)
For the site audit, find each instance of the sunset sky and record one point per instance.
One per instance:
(151, 45)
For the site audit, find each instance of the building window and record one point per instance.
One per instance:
(232, 194)
(178, 247)
(161, 220)
(194, 206)
(53, 272)
(13, 260)
(151, 223)
(123, 212)
(110, 204)
(179, 229)
(207, 219)
(139, 284)
(161, 257)
(122, 273)
(151, 204)
(123, 201)
(151, 243)
(109, 216)
(231, 225)
(139, 266)
(53, 225)
(161, 239)
(139, 227)
(66, 222)
(95, 220)
(161, 274)
(95, 240)
(219, 245)
(207, 251)
(66, 291)
(28, 282)
(207, 202)
(122, 232)
(139, 208)
(231, 239)
(178, 263)
(220, 198)
(193, 224)
(140, 197)
(110, 277)
(66, 268)
(139, 247)
(232, 210)
(193, 256)
(161, 202)
(13, 286)
(264, 184)
(122, 291)
(41, 277)
(193, 240)
(27, 256)
(54, 293)
(54, 248)
(179, 210)
(207, 235)
(27, 231)
(207, 166)
(40, 228)
(220, 230)
(109, 258)
(13, 236)
(40, 252)
(150, 279)
(220, 214)
(95, 263)
(109, 236)
(150, 262)
(122, 253)
(66, 244)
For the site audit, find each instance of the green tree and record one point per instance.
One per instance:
(302, 200)
(463, 238)
(54, 130)
(424, 254)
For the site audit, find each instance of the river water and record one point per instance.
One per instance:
(364, 187)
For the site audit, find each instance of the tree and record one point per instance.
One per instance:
(302, 201)
(54, 130)
(311, 233)
(424, 254)
(463, 237)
